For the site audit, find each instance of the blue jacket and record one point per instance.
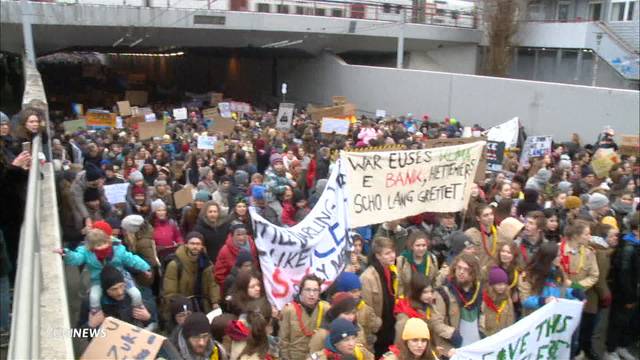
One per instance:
(551, 288)
(121, 258)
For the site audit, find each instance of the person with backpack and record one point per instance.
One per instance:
(189, 272)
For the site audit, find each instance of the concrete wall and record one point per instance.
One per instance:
(544, 108)
(457, 59)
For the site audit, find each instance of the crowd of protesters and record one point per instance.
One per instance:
(415, 288)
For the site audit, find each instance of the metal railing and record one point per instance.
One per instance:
(25, 326)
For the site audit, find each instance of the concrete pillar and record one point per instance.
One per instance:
(578, 66)
(536, 56)
(558, 61)
(515, 60)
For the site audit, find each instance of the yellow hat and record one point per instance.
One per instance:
(610, 220)
(415, 328)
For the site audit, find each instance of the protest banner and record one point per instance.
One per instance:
(148, 130)
(180, 113)
(535, 146)
(119, 122)
(332, 111)
(506, 132)
(338, 100)
(225, 109)
(210, 113)
(630, 145)
(72, 126)
(385, 186)
(136, 97)
(237, 106)
(100, 119)
(495, 155)
(482, 166)
(285, 116)
(544, 334)
(331, 125)
(120, 340)
(215, 98)
(381, 113)
(150, 117)
(222, 125)
(206, 142)
(318, 244)
(124, 108)
(183, 197)
(116, 193)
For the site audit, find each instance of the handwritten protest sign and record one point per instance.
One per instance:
(285, 116)
(215, 98)
(124, 108)
(219, 147)
(180, 113)
(206, 142)
(222, 125)
(237, 106)
(318, 244)
(119, 122)
(535, 146)
(630, 145)
(495, 155)
(77, 109)
(183, 197)
(482, 166)
(544, 334)
(332, 111)
(225, 109)
(116, 193)
(72, 126)
(122, 340)
(101, 119)
(384, 186)
(506, 132)
(136, 97)
(210, 113)
(147, 130)
(381, 113)
(150, 117)
(331, 125)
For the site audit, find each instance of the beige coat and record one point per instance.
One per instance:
(369, 321)
(601, 289)
(372, 290)
(476, 237)
(317, 340)
(360, 353)
(405, 272)
(402, 319)
(587, 273)
(444, 323)
(142, 244)
(490, 323)
(294, 345)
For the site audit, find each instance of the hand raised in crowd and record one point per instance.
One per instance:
(141, 313)
(96, 319)
(23, 160)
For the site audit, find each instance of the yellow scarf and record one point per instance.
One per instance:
(358, 353)
(394, 270)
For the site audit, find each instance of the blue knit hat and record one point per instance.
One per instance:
(202, 195)
(257, 193)
(340, 329)
(348, 281)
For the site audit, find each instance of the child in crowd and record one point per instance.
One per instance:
(497, 307)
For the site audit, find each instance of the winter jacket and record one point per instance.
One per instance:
(121, 310)
(142, 244)
(491, 321)
(583, 267)
(485, 251)
(294, 344)
(533, 301)
(317, 340)
(625, 270)
(406, 268)
(121, 260)
(214, 236)
(399, 236)
(181, 275)
(445, 320)
(367, 134)
(372, 290)
(600, 291)
(78, 187)
(276, 183)
(406, 309)
(227, 258)
(166, 233)
(369, 322)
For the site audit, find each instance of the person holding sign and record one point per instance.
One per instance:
(416, 259)
(301, 318)
(414, 344)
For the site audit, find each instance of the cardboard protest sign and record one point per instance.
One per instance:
(216, 98)
(318, 244)
(210, 113)
(206, 142)
(222, 125)
(183, 197)
(331, 125)
(333, 112)
(237, 106)
(120, 340)
(285, 116)
(132, 121)
(219, 147)
(535, 146)
(495, 155)
(116, 193)
(544, 334)
(150, 117)
(180, 113)
(100, 119)
(630, 145)
(119, 122)
(385, 186)
(381, 113)
(124, 108)
(482, 166)
(148, 130)
(225, 109)
(136, 97)
(339, 100)
(72, 126)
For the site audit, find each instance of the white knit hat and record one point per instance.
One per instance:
(157, 205)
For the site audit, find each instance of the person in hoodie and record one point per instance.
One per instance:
(212, 226)
(166, 233)
(343, 305)
(222, 195)
(625, 275)
(237, 241)
(190, 274)
(258, 199)
(241, 181)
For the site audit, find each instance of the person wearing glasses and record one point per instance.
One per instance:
(301, 319)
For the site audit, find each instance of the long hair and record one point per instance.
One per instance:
(258, 341)
(241, 286)
(470, 260)
(541, 264)
(405, 354)
(22, 132)
(418, 283)
(513, 247)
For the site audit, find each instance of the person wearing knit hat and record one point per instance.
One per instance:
(195, 341)
(539, 180)
(104, 226)
(414, 343)
(598, 204)
(341, 343)
(572, 202)
(180, 307)
(565, 187)
(497, 307)
(93, 173)
(343, 306)
(202, 195)
(497, 276)
(135, 177)
(132, 223)
(275, 158)
(245, 263)
(460, 242)
(611, 221)
(157, 204)
(110, 277)
(91, 195)
(348, 282)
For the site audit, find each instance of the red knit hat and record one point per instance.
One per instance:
(138, 191)
(104, 226)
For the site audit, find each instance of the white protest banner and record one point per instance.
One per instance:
(318, 244)
(285, 115)
(119, 122)
(225, 109)
(206, 142)
(180, 113)
(535, 146)
(331, 125)
(150, 117)
(381, 113)
(117, 339)
(506, 132)
(389, 185)
(544, 334)
(116, 193)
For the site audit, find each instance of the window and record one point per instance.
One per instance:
(300, 10)
(617, 11)
(623, 10)
(595, 11)
(386, 8)
(336, 12)
(282, 9)
(563, 11)
(630, 11)
(398, 9)
(320, 12)
(264, 8)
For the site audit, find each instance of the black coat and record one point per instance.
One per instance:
(121, 310)
(214, 237)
